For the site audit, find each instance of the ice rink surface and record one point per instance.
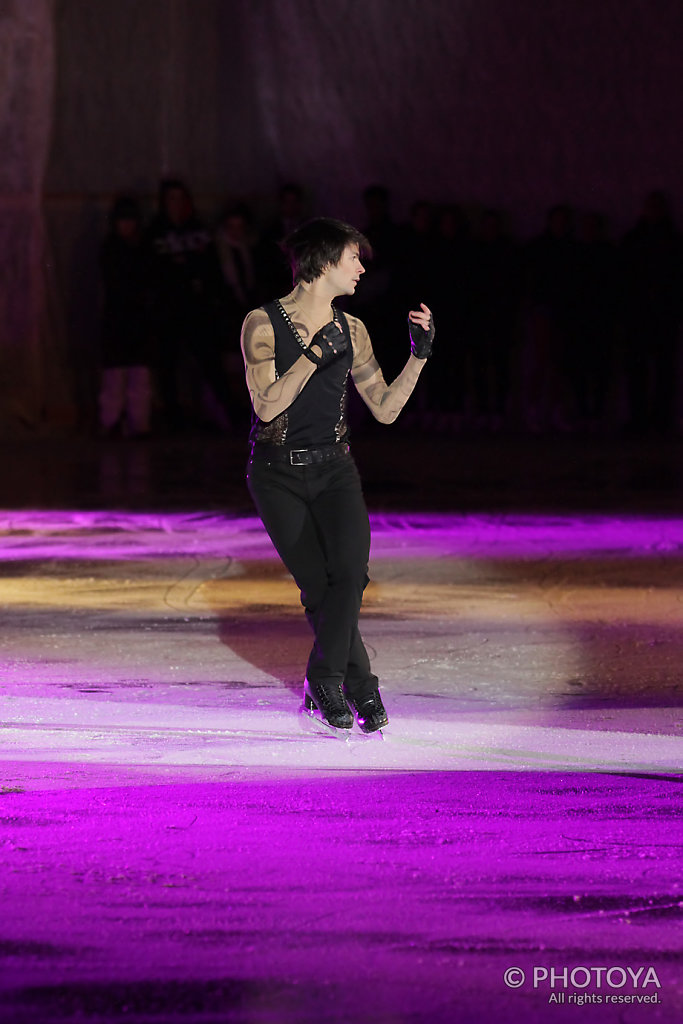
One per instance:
(177, 845)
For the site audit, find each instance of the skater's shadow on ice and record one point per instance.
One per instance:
(273, 642)
(262, 621)
(552, 634)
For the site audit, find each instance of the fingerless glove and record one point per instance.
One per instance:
(332, 342)
(421, 340)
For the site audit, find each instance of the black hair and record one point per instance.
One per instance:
(291, 188)
(378, 192)
(167, 185)
(237, 210)
(320, 243)
(124, 207)
(563, 208)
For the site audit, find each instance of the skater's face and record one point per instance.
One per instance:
(345, 275)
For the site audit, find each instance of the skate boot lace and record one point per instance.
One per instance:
(331, 698)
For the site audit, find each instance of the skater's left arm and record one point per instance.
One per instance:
(385, 401)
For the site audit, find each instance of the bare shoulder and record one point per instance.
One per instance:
(257, 330)
(357, 329)
(354, 323)
(257, 318)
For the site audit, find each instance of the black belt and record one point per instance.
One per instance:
(298, 456)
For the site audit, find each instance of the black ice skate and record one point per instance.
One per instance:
(370, 711)
(327, 703)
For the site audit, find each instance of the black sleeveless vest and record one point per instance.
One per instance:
(318, 415)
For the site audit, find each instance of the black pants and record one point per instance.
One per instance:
(190, 331)
(317, 520)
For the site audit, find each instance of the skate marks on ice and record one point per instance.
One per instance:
(499, 641)
(262, 730)
(256, 898)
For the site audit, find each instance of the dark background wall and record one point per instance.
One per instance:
(513, 102)
(517, 103)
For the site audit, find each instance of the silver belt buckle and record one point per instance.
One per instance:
(298, 462)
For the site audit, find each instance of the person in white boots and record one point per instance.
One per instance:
(125, 390)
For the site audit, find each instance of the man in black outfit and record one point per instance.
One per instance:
(298, 353)
(187, 286)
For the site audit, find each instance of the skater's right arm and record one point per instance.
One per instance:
(270, 394)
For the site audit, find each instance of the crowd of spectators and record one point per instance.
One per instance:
(175, 293)
(570, 331)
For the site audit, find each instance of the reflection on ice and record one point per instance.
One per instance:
(111, 535)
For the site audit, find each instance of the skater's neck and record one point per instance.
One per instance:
(314, 299)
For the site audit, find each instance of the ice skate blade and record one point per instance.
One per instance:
(377, 735)
(312, 722)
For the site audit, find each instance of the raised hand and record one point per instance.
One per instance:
(421, 330)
